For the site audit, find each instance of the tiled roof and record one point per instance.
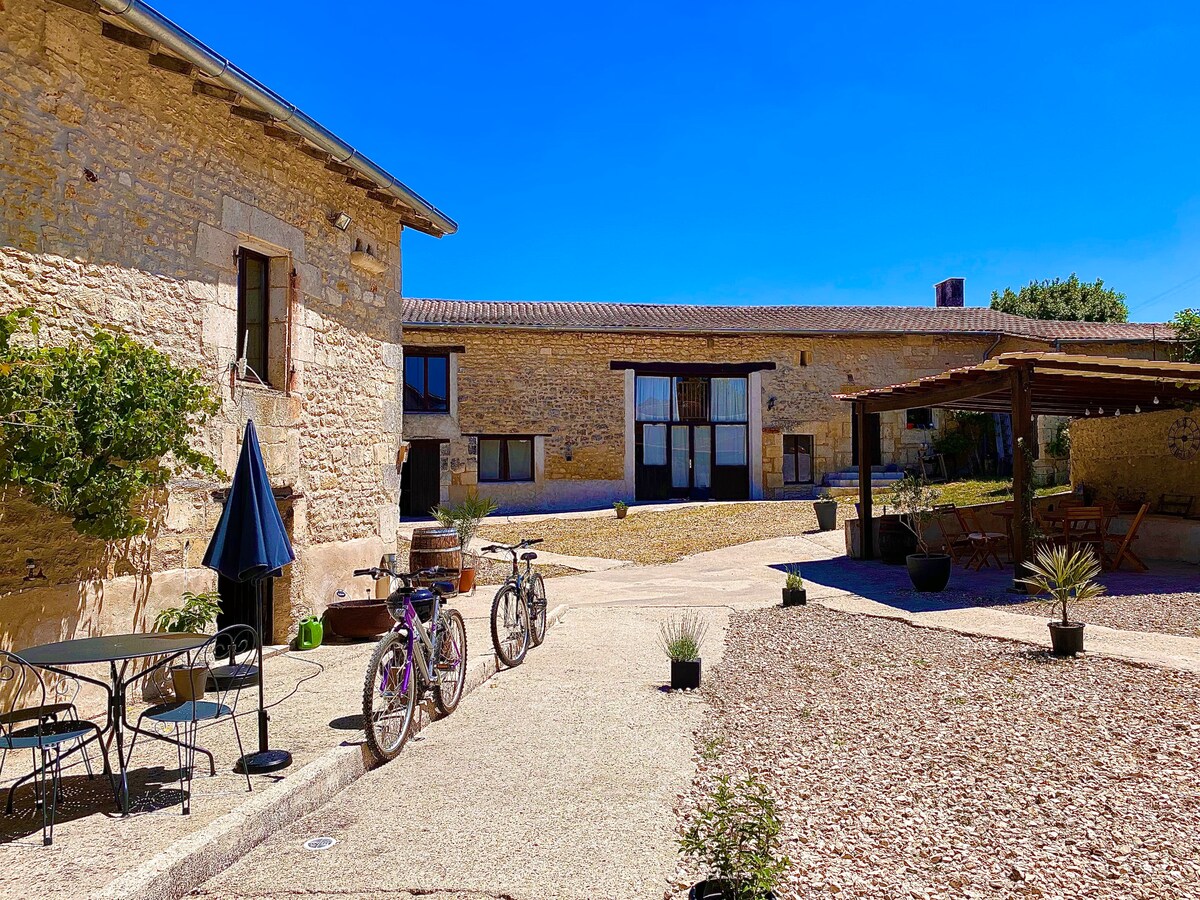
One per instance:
(772, 319)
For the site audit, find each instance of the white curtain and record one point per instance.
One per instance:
(729, 400)
(653, 402)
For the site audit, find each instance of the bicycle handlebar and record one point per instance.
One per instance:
(511, 548)
(406, 577)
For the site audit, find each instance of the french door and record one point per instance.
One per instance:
(691, 461)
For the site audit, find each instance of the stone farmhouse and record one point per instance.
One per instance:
(149, 184)
(568, 405)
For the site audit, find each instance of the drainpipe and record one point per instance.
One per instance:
(987, 354)
(155, 25)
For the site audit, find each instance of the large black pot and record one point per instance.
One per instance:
(1066, 640)
(685, 674)
(715, 889)
(929, 574)
(826, 511)
(896, 542)
(795, 597)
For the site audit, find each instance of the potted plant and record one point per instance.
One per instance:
(464, 518)
(793, 591)
(734, 835)
(929, 572)
(1062, 577)
(682, 639)
(826, 508)
(621, 507)
(197, 614)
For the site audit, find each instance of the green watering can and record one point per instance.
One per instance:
(310, 633)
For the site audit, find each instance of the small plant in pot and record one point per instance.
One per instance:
(734, 835)
(1063, 577)
(826, 509)
(621, 507)
(793, 590)
(914, 498)
(682, 639)
(465, 518)
(196, 616)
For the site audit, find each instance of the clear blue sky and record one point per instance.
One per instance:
(759, 152)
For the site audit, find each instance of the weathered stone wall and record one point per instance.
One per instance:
(1130, 457)
(124, 198)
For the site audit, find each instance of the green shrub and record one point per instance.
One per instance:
(198, 613)
(683, 637)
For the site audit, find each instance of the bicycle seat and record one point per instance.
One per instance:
(529, 557)
(444, 587)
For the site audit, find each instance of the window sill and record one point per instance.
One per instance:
(427, 412)
(508, 481)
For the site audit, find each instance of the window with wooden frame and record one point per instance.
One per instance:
(505, 458)
(426, 381)
(797, 459)
(253, 312)
(918, 418)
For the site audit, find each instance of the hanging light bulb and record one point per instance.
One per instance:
(1087, 412)
(1156, 399)
(1100, 410)
(1137, 409)
(1118, 412)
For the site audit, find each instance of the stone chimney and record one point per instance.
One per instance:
(949, 292)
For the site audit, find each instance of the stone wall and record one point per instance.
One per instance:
(124, 198)
(1130, 458)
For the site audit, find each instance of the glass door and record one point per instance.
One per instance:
(701, 461)
(681, 460)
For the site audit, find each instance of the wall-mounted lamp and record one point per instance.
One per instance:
(339, 220)
(770, 403)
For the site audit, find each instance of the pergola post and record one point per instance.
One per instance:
(867, 537)
(1022, 436)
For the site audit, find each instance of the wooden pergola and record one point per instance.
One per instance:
(1025, 385)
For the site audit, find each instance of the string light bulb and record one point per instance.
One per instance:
(1118, 412)
(1156, 399)
(1137, 409)
(1087, 412)
(1100, 410)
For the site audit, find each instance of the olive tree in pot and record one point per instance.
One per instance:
(793, 590)
(682, 639)
(734, 836)
(826, 509)
(1063, 577)
(197, 615)
(914, 498)
(465, 518)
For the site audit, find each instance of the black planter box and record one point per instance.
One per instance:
(795, 597)
(685, 674)
(1066, 640)
(715, 889)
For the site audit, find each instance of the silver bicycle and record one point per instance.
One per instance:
(519, 608)
(423, 656)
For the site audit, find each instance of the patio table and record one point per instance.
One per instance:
(118, 651)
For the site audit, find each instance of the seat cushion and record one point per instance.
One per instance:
(187, 711)
(531, 556)
(52, 734)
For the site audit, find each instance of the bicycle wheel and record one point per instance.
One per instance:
(510, 625)
(452, 662)
(537, 610)
(388, 701)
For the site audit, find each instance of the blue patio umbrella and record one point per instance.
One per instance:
(250, 544)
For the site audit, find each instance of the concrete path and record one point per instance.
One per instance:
(556, 780)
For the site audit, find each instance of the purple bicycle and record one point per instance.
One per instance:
(424, 656)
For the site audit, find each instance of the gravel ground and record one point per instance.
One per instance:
(652, 537)
(911, 763)
(1166, 613)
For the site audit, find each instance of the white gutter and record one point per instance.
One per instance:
(155, 25)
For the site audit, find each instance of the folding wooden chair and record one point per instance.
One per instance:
(1083, 526)
(1124, 543)
(984, 544)
(955, 540)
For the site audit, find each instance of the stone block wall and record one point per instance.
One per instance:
(124, 198)
(1133, 457)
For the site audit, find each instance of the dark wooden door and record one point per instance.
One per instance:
(421, 479)
(873, 439)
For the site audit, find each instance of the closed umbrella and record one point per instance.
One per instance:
(250, 544)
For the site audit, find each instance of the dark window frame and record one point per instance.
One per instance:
(812, 446)
(264, 348)
(504, 440)
(922, 421)
(426, 404)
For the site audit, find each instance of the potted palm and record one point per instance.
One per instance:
(734, 835)
(915, 498)
(1063, 577)
(621, 507)
(197, 614)
(682, 639)
(465, 518)
(793, 590)
(826, 509)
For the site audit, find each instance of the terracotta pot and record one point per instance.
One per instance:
(358, 618)
(189, 682)
(466, 579)
(621, 511)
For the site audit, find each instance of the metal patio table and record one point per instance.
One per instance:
(118, 651)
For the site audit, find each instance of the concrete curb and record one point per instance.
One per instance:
(181, 869)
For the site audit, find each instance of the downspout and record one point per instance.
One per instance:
(158, 27)
(987, 354)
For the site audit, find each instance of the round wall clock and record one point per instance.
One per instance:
(1183, 438)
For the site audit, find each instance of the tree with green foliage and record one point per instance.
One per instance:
(87, 429)
(1187, 333)
(1071, 300)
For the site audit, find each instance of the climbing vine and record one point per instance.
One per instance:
(88, 428)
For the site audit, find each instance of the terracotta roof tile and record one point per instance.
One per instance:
(778, 319)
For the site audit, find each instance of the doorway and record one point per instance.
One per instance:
(691, 461)
(874, 441)
(421, 479)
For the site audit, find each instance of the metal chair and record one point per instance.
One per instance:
(186, 715)
(45, 737)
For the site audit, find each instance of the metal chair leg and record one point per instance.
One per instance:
(241, 752)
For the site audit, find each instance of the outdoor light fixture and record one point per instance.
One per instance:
(1087, 412)
(567, 453)
(1118, 412)
(339, 220)
(1156, 399)
(1100, 410)
(1137, 409)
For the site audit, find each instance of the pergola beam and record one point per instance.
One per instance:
(936, 394)
(867, 536)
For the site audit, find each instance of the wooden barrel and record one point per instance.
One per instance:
(434, 546)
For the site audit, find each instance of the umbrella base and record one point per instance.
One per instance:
(264, 761)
